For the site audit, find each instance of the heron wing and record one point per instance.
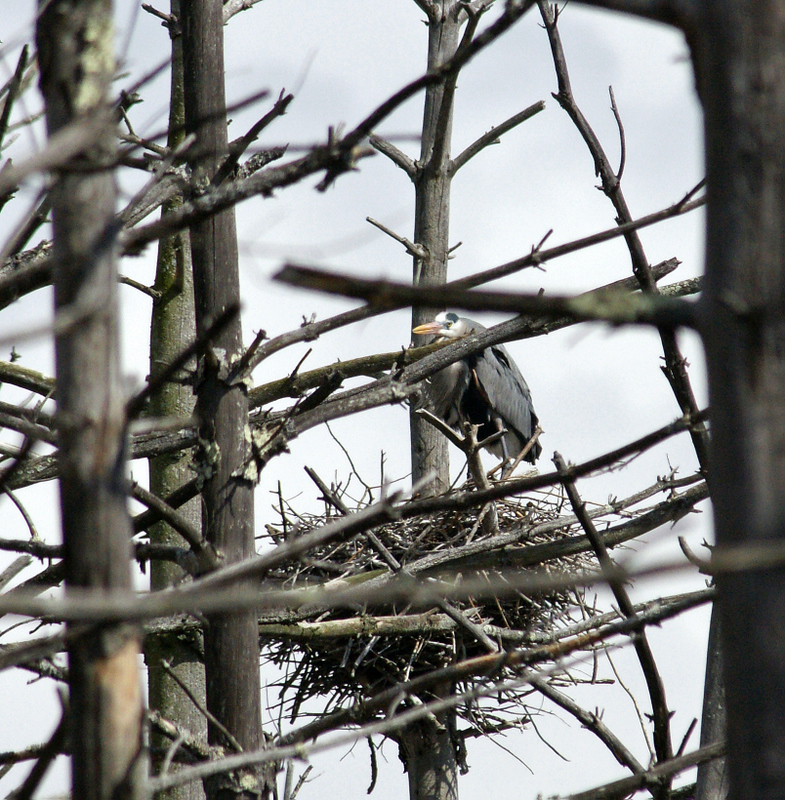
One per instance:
(508, 394)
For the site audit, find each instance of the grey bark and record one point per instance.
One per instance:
(173, 328)
(231, 647)
(428, 755)
(427, 749)
(432, 220)
(75, 46)
(738, 50)
(712, 782)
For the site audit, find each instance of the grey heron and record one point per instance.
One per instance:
(485, 389)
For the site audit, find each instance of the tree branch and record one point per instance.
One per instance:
(617, 308)
(492, 136)
(661, 713)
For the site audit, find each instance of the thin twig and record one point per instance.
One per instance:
(211, 718)
(238, 147)
(492, 136)
(591, 722)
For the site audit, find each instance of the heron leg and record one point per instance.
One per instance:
(505, 453)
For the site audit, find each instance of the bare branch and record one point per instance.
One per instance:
(618, 308)
(414, 250)
(665, 770)
(373, 366)
(675, 364)
(661, 713)
(592, 722)
(14, 86)
(239, 146)
(395, 155)
(493, 135)
(232, 7)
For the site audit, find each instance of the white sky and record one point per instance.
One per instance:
(593, 388)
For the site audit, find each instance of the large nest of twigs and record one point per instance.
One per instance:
(350, 653)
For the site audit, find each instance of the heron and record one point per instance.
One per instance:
(485, 389)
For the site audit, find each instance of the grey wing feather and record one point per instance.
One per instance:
(508, 394)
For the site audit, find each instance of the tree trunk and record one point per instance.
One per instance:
(428, 755)
(739, 49)
(75, 44)
(712, 783)
(173, 328)
(432, 220)
(427, 747)
(231, 641)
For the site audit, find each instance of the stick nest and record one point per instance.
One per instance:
(346, 664)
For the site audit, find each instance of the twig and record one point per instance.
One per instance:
(395, 155)
(25, 515)
(704, 566)
(415, 250)
(492, 136)
(232, 7)
(211, 718)
(591, 722)
(464, 622)
(622, 137)
(14, 86)
(13, 569)
(443, 428)
(239, 146)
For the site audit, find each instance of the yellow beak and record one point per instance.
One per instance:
(429, 327)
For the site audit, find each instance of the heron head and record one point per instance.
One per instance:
(447, 325)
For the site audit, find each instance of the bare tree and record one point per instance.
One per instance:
(401, 614)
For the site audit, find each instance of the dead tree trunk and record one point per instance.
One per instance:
(712, 781)
(427, 747)
(231, 642)
(432, 180)
(173, 328)
(739, 49)
(76, 58)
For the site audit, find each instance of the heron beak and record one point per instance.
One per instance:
(429, 327)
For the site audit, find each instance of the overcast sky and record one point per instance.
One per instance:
(594, 388)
